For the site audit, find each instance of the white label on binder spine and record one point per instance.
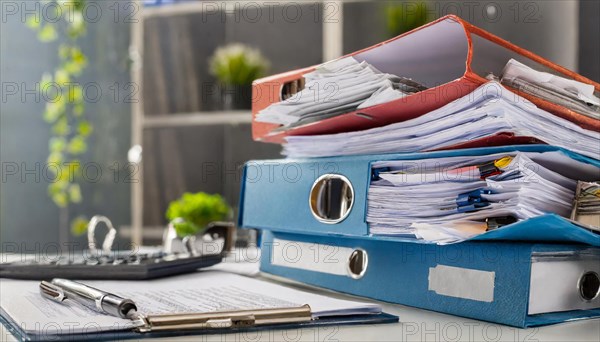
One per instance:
(462, 283)
(557, 284)
(311, 256)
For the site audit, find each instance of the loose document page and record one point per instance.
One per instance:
(22, 303)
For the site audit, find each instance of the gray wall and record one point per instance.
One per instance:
(196, 158)
(589, 36)
(28, 217)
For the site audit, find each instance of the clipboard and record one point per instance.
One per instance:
(297, 322)
(69, 310)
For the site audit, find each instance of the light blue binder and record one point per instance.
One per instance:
(275, 196)
(490, 281)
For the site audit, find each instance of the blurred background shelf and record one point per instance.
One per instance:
(190, 142)
(176, 8)
(198, 119)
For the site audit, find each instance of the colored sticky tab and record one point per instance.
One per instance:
(472, 207)
(503, 163)
(472, 197)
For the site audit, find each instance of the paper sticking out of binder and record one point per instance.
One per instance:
(335, 88)
(447, 201)
(490, 115)
(586, 207)
(571, 94)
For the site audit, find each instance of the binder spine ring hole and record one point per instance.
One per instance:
(589, 286)
(291, 88)
(358, 263)
(331, 198)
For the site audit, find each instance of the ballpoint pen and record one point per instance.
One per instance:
(107, 303)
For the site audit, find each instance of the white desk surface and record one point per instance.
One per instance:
(415, 325)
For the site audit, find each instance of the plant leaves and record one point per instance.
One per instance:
(84, 128)
(75, 193)
(405, 17)
(62, 77)
(79, 225)
(79, 109)
(64, 51)
(77, 145)
(47, 33)
(56, 159)
(57, 144)
(33, 22)
(75, 93)
(237, 64)
(61, 126)
(197, 211)
(65, 104)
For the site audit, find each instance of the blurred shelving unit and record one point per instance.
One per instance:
(183, 7)
(163, 119)
(136, 51)
(198, 119)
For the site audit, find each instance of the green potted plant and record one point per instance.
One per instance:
(191, 214)
(235, 67)
(405, 16)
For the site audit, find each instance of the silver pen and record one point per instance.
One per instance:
(60, 289)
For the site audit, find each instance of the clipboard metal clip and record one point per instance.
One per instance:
(224, 319)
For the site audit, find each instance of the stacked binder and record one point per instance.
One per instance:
(445, 169)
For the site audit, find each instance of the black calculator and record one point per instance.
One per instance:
(118, 265)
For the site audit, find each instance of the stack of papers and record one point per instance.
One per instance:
(335, 88)
(489, 110)
(450, 200)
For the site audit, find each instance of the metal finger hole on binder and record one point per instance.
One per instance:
(331, 198)
(358, 263)
(589, 286)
